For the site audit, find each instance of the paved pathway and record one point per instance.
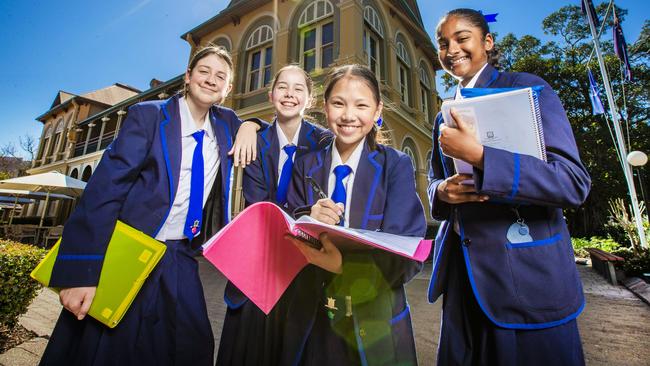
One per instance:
(615, 325)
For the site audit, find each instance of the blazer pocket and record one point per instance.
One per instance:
(542, 273)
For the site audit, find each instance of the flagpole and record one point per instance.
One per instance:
(627, 171)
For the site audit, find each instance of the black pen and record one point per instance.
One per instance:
(320, 193)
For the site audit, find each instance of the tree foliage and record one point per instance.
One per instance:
(564, 63)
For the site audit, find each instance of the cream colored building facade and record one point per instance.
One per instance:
(264, 35)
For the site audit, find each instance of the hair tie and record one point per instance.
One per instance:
(489, 18)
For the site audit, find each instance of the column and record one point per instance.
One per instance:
(120, 115)
(90, 130)
(101, 132)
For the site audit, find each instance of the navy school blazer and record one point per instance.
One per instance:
(384, 198)
(530, 285)
(261, 177)
(135, 182)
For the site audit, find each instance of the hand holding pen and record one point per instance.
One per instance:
(325, 210)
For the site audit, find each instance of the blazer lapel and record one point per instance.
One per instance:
(487, 77)
(307, 139)
(224, 140)
(319, 172)
(366, 182)
(171, 140)
(271, 157)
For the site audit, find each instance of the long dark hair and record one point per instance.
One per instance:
(476, 19)
(363, 73)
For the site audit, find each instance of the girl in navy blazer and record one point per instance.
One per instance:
(503, 255)
(354, 309)
(249, 336)
(143, 180)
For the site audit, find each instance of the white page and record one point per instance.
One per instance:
(505, 121)
(397, 243)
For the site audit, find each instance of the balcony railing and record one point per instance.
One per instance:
(78, 149)
(106, 141)
(92, 145)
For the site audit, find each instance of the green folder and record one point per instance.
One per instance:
(130, 257)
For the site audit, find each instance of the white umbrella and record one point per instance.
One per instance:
(52, 182)
(28, 196)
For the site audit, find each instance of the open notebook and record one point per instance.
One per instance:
(507, 119)
(130, 257)
(253, 254)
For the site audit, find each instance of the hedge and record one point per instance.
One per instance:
(17, 288)
(606, 244)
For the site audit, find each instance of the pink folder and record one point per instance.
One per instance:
(253, 254)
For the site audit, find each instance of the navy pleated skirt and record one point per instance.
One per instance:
(252, 338)
(167, 323)
(468, 337)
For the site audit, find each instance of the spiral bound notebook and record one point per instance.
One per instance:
(507, 119)
(130, 257)
(252, 252)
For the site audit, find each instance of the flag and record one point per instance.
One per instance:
(592, 10)
(596, 104)
(620, 47)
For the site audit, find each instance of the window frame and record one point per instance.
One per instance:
(260, 41)
(318, 45)
(403, 72)
(310, 20)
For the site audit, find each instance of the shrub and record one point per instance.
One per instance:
(17, 288)
(606, 244)
(634, 264)
(622, 220)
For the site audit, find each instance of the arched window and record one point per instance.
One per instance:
(373, 34)
(425, 91)
(316, 35)
(88, 171)
(52, 141)
(409, 148)
(259, 51)
(74, 173)
(403, 71)
(223, 42)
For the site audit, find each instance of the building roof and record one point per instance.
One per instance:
(104, 97)
(412, 10)
(232, 13)
(174, 82)
(113, 94)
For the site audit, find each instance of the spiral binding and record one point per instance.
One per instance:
(540, 128)
(311, 241)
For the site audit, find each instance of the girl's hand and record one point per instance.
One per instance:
(328, 257)
(326, 211)
(461, 142)
(245, 147)
(453, 191)
(77, 300)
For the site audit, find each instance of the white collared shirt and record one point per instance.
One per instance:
(471, 83)
(282, 142)
(172, 229)
(348, 182)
